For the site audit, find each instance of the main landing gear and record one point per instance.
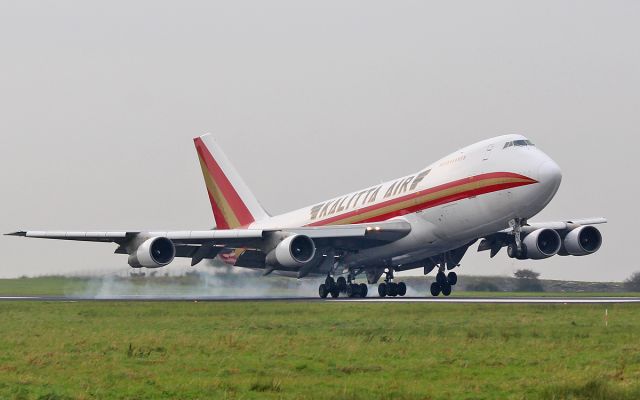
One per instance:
(390, 288)
(444, 283)
(341, 285)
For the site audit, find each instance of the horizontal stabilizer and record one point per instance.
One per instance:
(18, 233)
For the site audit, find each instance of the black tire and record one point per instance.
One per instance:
(512, 250)
(523, 252)
(402, 289)
(335, 292)
(382, 289)
(364, 290)
(446, 289)
(435, 289)
(342, 284)
(392, 289)
(329, 281)
(452, 278)
(322, 291)
(351, 290)
(441, 278)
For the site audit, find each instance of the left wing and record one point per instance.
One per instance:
(199, 245)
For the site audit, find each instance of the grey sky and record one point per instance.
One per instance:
(99, 102)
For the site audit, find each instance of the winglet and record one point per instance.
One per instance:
(18, 233)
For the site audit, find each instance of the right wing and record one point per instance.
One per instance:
(498, 240)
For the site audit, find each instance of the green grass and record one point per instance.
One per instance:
(206, 285)
(542, 294)
(43, 286)
(345, 350)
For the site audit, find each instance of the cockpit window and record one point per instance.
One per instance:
(518, 143)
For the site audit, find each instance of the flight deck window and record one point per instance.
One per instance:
(518, 143)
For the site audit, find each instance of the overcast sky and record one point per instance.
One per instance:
(99, 102)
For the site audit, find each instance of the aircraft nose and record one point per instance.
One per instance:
(550, 175)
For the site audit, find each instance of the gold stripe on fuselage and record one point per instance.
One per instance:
(428, 198)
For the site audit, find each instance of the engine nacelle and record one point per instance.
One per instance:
(292, 252)
(153, 253)
(583, 241)
(542, 243)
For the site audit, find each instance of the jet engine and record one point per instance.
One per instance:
(292, 252)
(155, 252)
(542, 243)
(582, 241)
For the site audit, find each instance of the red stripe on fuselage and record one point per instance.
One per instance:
(433, 203)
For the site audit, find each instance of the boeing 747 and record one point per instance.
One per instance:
(485, 192)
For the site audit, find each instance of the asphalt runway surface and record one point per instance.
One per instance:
(471, 300)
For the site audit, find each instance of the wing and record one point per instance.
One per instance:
(498, 240)
(199, 245)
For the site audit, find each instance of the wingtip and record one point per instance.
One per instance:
(18, 233)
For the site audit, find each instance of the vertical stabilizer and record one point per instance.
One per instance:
(233, 204)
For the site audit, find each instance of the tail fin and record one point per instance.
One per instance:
(232, 202)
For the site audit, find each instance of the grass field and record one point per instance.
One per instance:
(208, 285)
(331, 350)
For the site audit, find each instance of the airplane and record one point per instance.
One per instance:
(485, 192)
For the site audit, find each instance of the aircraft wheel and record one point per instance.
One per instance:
(392, 289)
(452, 278)
(512, 250)
(446, 289)
(322, 291)
(382, 289)
(352, 290)
(342, 284)
(329, 281)
(441, 278)
(402, 289)
(435, 289)
(364, 290)
(334, 292)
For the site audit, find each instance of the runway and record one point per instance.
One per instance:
(462, 300)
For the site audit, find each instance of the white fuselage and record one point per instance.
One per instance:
(470, 193)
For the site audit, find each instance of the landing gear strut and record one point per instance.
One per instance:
(444, 283)
(517, 249)
(335, 287)
(390, 288)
